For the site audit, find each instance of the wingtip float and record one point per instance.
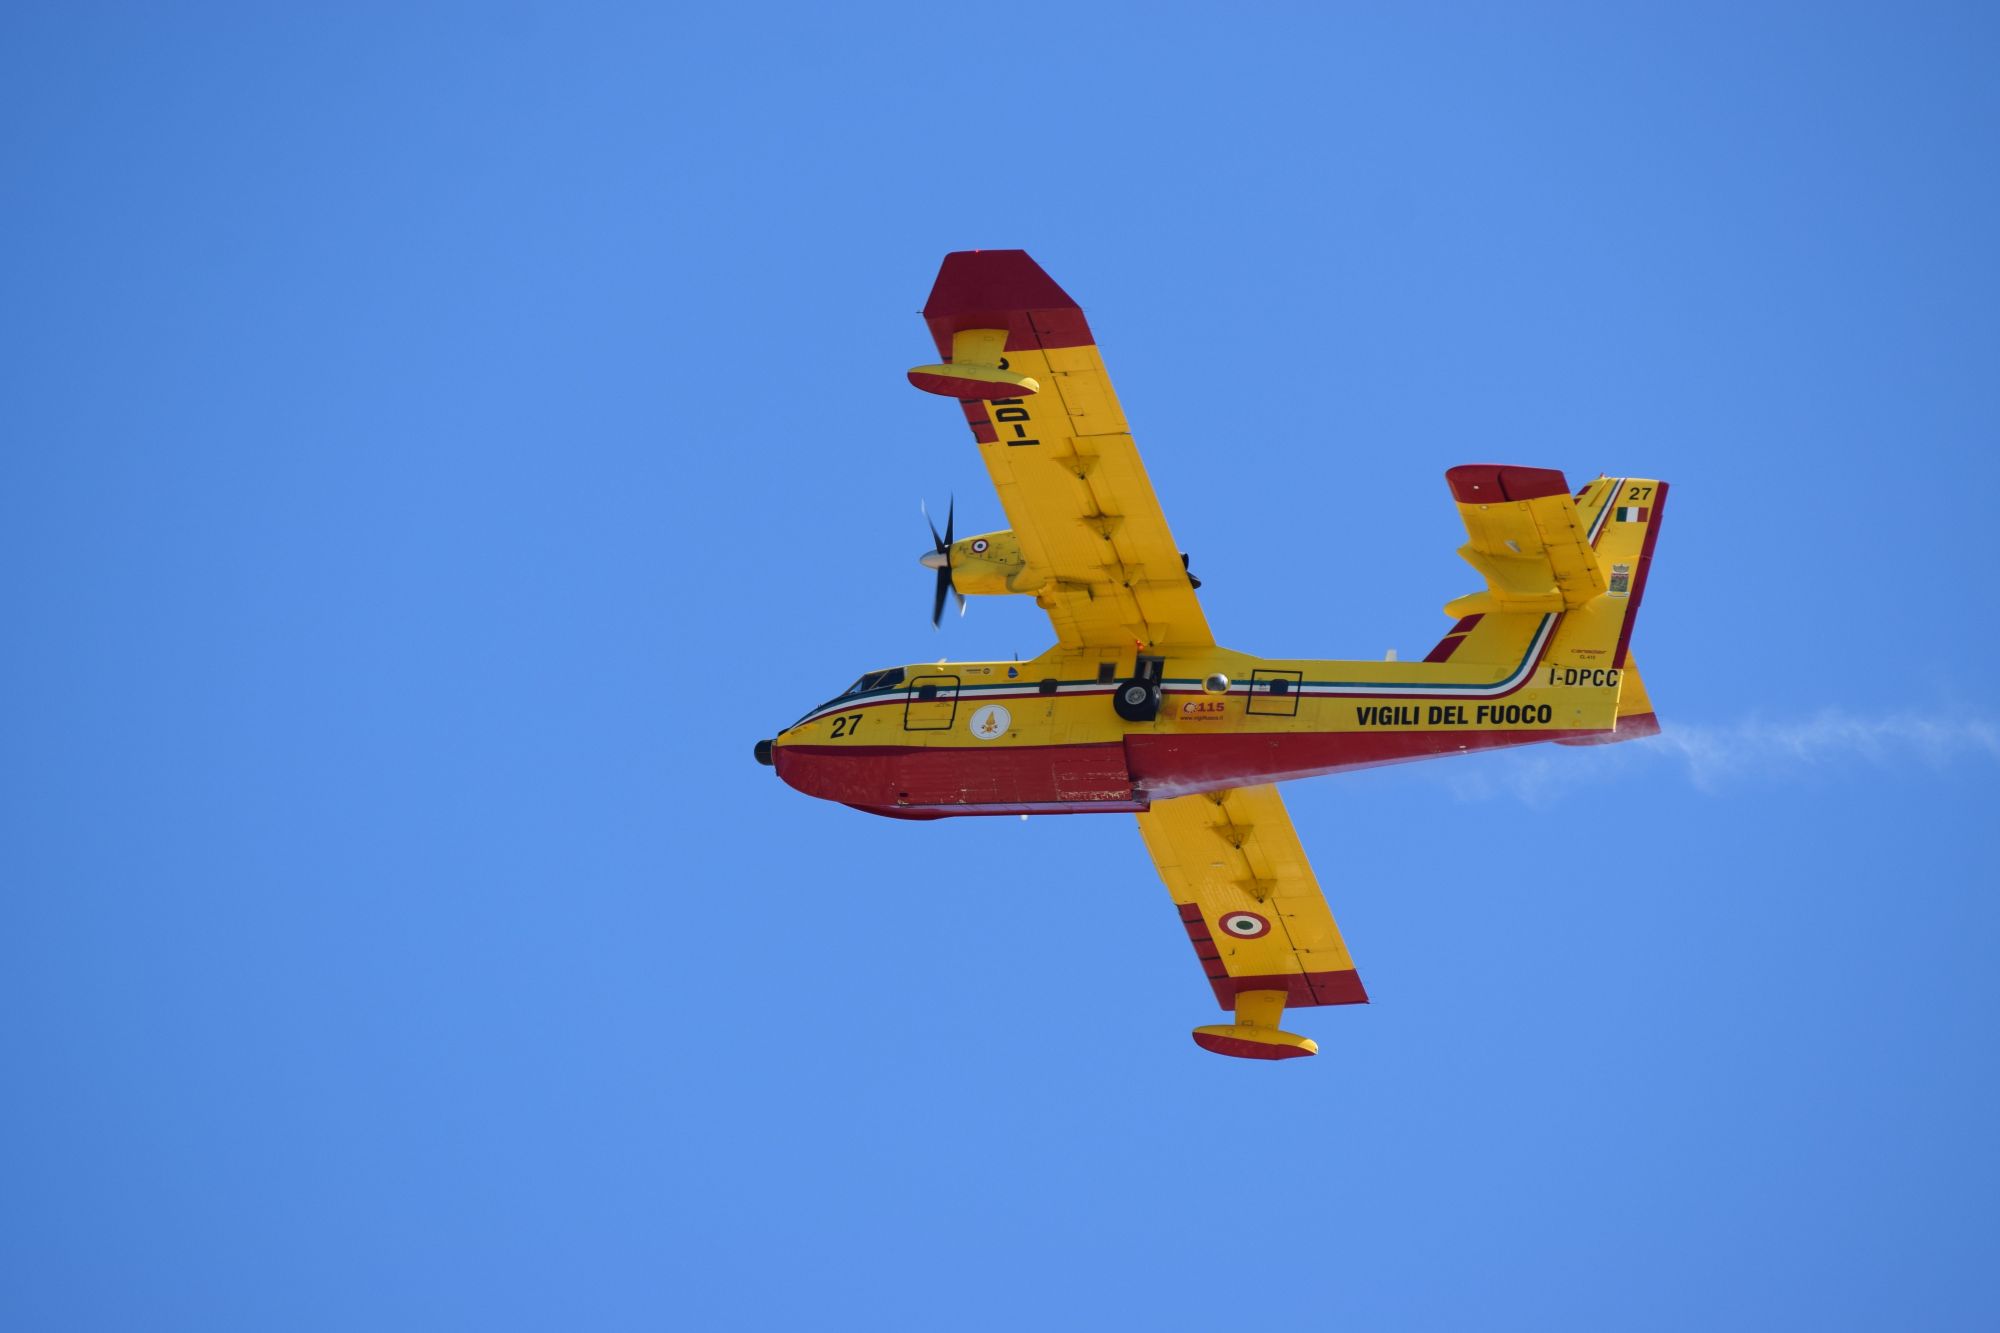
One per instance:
(1255, 1034)
(1136, 709)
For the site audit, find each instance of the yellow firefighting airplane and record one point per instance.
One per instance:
(1136, 708)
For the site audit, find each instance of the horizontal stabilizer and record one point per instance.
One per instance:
(1527, 540)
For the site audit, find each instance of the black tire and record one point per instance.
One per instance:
(1137, 700)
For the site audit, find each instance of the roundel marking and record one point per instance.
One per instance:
(1244, 925)
(979, 546)
(990, 723)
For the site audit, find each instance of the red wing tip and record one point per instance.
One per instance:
(1342, 987)
(993, 280)
(1490, 483)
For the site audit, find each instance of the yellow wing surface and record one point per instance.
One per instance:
(1259, 923)
(1024, 365)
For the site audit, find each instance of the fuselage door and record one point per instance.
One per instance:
(1274, 692)
(930, 703)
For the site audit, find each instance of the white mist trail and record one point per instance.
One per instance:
(1716, 757)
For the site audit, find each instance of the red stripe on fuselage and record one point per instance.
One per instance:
(1105, 776)
(1180, 765)
(951, 779)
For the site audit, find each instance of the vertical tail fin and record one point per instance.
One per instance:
(1623, 518)
(1579, 561)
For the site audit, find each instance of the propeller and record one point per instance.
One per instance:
(939, 558)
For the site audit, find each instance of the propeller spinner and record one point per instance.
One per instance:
(939, 558)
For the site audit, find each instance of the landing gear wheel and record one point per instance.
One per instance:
(1137, 700)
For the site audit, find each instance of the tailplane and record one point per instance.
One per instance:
(1564, 578)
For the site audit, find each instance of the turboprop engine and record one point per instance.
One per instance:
(984, 565)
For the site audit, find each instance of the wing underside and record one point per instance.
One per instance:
(1248, 898)
(1100, 557)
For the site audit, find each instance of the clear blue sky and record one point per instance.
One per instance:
(436, 441)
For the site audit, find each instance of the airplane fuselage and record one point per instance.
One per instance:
(1047, 736)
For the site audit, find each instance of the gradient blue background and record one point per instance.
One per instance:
(437, 441)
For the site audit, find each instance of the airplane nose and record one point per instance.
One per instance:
(763, 753)
(933, 560)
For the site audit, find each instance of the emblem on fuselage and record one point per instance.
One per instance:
(990, 723)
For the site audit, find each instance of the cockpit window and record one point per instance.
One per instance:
(875, 680)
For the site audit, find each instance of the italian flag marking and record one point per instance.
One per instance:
(1636, 514)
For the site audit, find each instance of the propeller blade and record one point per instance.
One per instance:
(942, 547)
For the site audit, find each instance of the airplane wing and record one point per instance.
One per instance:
(1259, 923)
(1100, 558)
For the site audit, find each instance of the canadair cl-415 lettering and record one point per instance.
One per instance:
(1137, 710)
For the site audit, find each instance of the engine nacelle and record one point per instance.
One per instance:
(987, 564)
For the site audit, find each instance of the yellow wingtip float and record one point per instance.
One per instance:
(976, 370)
(1136, 709)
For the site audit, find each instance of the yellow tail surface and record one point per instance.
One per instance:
(1582, 559)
